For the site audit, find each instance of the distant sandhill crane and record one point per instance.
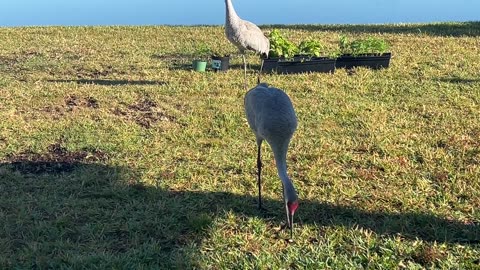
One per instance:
(271, 116)
(245, 35)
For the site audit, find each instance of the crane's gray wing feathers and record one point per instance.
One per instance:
(270, 114)
(251, 37)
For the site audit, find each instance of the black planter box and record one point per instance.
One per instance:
(299, 64)
(220, 63)
(371, 61)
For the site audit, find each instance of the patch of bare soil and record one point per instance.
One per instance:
(145, 113)
(73, 101)
(7, 61)
(427, 255)
(70, 104)
(57, 160)
(19, 57)
(56, 112)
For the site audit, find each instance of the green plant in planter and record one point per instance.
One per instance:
(306, 57)
(311, 47)
(369, 46)
(280, 46)
(314, 48)
(201, 55)
(219, 53)
(203, 52)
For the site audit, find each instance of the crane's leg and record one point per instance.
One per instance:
(259, 173)
(245, 68)
(259, 80)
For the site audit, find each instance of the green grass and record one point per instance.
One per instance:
(115, 155)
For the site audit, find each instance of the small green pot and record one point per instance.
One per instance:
(199, 65)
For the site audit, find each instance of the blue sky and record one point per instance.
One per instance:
(155, 12)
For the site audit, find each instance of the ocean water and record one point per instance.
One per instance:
(212, 12)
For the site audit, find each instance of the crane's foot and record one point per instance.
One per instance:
(284, 226)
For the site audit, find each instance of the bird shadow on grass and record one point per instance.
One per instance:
(173, 56)
(184, 61)
(110, 82)
(471, 29)
(180, 66)
(255, 67)
(458, 80)
(188, 66)
(64, 208)
(176, 61)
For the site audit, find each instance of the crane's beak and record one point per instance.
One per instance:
(291, 208)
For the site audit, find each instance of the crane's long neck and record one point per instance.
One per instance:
(231, 14)
(280, 153)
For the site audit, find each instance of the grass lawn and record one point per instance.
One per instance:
(115, 155)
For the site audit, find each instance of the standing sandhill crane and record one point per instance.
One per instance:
(271, 116)
(245, 35)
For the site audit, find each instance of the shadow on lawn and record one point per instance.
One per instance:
(176, 61)
(63, 209)
(184, 61)
(471, 29)
(110, 82)
(188, 66)
(250, 67)
(458, 80)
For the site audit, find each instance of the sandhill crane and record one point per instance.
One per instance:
(271, 116)
(245, 35)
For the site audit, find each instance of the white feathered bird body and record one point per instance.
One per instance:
(244, 34)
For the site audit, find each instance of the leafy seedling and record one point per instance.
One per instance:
(280, 46)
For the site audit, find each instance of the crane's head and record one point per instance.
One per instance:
(291, 207)
(291, 203)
